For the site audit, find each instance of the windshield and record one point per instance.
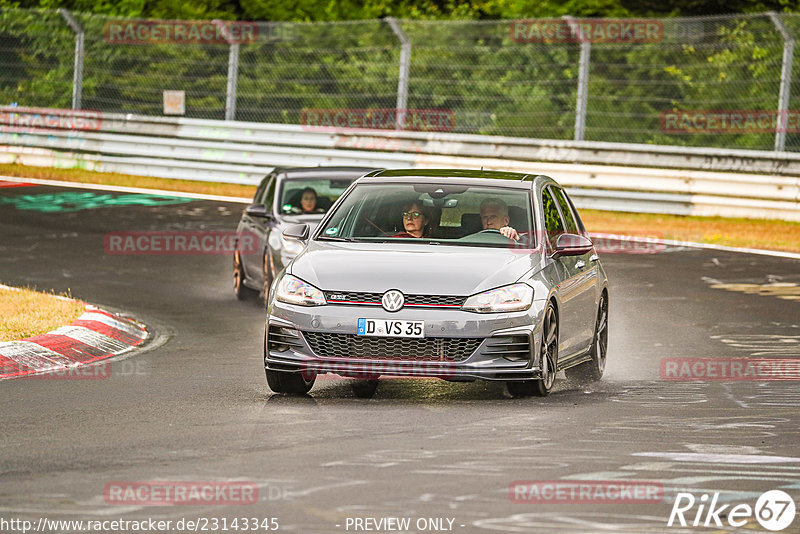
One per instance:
(310, 196)
(453, 214)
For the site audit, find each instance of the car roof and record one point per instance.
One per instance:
(340, 172)
(514, 180)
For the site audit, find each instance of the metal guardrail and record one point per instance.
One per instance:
(659, 179)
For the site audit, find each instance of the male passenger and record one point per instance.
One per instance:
(494, 216)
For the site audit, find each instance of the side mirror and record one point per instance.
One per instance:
(296, 231)
(572, 245)
(257, 210)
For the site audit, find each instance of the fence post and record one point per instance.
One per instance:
(233, 70)
(233, 77)
(786, 78)
(583, 78)
(77, 72)
(405, 66)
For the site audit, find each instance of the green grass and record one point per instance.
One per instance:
(751, 233)
(127, 180)
(25, 313)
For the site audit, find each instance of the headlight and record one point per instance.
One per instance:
(292, 290)
(516, 297)
(291, 247)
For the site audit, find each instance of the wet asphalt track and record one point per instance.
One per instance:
(195, 407)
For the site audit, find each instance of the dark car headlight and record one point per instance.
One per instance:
(292, 290)
(515, 297)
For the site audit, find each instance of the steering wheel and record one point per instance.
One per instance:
(489, 231)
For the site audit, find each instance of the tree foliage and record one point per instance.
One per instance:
(472, 66)
(331, 10)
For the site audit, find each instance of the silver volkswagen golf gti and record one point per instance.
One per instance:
(454, 274)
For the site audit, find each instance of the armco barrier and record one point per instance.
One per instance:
(657, 179)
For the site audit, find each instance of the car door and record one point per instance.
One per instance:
(583, 273)
(564, 268)
(258, 229)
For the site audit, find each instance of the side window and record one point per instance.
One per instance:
(578, 220)
(569, 220)
(260, 191)
(269, 195)
(552, 219)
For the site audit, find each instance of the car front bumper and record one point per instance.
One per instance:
(292, 332)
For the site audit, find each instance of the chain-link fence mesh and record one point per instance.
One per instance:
(130, 78)
(708, 64)
(494, 84)
(492, 77)
(336, 66)
(37, 55)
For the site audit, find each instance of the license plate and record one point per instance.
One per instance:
(390, 328)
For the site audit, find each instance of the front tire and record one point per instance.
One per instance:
(592, 370)
(549, 358)
(290, 383)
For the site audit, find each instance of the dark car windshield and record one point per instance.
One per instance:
(325, 192)
(452, 214)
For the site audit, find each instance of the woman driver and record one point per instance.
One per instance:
(416, 221)
(308, 201)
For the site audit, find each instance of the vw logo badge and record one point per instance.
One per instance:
(393, 300)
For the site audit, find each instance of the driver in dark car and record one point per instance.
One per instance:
(308, 201)
(494, 216)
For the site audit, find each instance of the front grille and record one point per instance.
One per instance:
(345, 297)
(432, 349)
(514, 348)
(374, 299)
(434, 300)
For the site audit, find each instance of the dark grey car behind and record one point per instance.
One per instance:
(263, 253)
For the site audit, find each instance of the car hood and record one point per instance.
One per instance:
(411, 268)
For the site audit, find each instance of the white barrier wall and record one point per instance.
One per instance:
(642, 178)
